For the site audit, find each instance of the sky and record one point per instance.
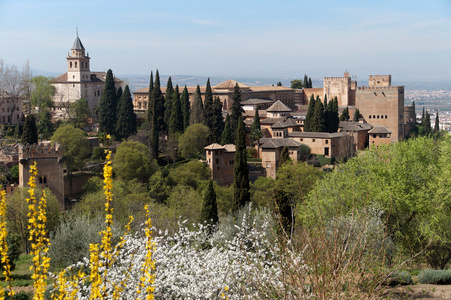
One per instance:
(411, 40)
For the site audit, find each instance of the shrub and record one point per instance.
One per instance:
(21, 296)
(251, 152)
(399, 278)
(98, 153)
(435, 277)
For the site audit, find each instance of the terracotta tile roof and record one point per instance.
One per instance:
(277, 143)
(230, 147)
(269, 88)
(95, 77)
(61, 78)
(278, 106)
(380, 130)
(251, 113)
(229, 84)
(255, 101)
(270, 121)
(226, 147)
(354, 126)
(319, 135)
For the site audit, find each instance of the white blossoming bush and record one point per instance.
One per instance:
(194, 265)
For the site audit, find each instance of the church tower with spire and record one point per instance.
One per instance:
(78, 63)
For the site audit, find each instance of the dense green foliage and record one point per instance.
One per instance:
(186, 108)
(309, 116)
(79, 113)
(435, 277)
(209, 213)
(75, 145)
(236, 111)
(169, 96)
(193, 141)
(126, 118)
(256, 130)
(30, 131)
(226, 136)
(108, 106)
(175, 126)
(241, 194)
(345, 114)
(197, 109)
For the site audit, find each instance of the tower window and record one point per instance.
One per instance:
(75, 64)
(71, 65)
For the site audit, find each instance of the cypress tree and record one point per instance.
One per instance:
(149, 102)
(30, 131)
(256, 131)
(309, 116)
(208, 108)
(345, 115)
(335, 119)
(427, 124)
(154, 141)
(158, 97)
(186, 108)
(279, 83)
(209, 213)
(176, 119)
(241, 193)
(423, 116)
(310, 85)
(356, 115)
(119, 98)
(305, 81)
(437, 121)
(218, 121)
(108, 105)
(236, 111)
(226, 137)
(126, 118)
(284, 156)
(169, 97)
(318, 120)
(197, 110)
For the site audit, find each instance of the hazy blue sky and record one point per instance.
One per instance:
(408, 39)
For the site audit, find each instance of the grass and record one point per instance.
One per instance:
(22, 274)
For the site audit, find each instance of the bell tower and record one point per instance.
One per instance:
(78, 68)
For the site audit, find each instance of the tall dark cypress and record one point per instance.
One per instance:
(126, 118)
(30, 131)
(108, 105)
(256, 130)
(209, 213)
(427, 123)
(208, 107)
(158, 97)
(333, 115)
(309, 116)
(345, 114)
(310, 85)
(318, 120)
(149, 97)
(217, 121)
(154, 132)
(236, 111)
(437, 122)
(356, 116)
(226, 137)
(284, 156)
(423, 116)
(176, 119)
(119, 97)
(169, 97)
(197, 110)
(241, 193)
(305, 81)
(186, 108)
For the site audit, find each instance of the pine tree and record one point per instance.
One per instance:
(186, 108)
(208, 107)
(169, 97)
(236, 111)
(226, 137)
(176, 119)
(241, 193)
(284, 156)
(309, 116)
(197, 110)
(345, 115)
(126, 118)
(218, 121)
(209, 213)
(318, 120)
(108, 105)
(356, 115)
(437, 121)
(30, 131)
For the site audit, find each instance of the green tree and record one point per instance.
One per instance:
(427, 124)
(209, 213)
(154, 129)
(437, 123)
(306, 81)
(345, 114)
(133, 161)
(176, 119)
(241, 194)
(226, 137)
(310, 85)
(197, 110)
(42, 92)
(279, 83)
(310, 113)
(158, 98)
(108, 105)
(217, 121)
(193, 141)
(119, 97)
(149, 96)
(75, 146)
(79, 113)
(186, 108)
(169, 97)
(126, 118)
(318, 120)
(256, 131)
(45, 126)
(357, 115)
(285, 156)
(30, 131)
(236, 111)
(208, 106)
(296, 84)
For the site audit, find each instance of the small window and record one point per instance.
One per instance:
(302, 140)
(327, 142)
(374, 117)
(369, 116)
(71, 65)
(374, 136)
(386, 116)
(313, 140)
(326, 151)
(217, 160)
(75, 64)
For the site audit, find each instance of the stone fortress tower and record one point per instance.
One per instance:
(78, 82)
(49, 160)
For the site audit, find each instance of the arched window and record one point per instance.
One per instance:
(71, 65)
(75, 64)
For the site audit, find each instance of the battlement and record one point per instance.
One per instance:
(340, 79)
(379, 80)
(381, 88)
(40, 150)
